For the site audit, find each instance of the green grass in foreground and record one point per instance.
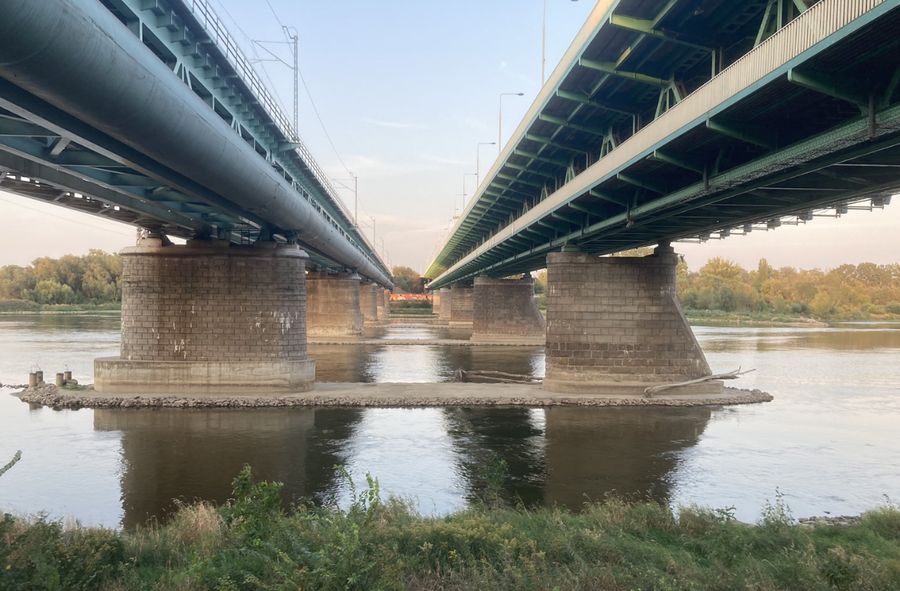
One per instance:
(252, 543)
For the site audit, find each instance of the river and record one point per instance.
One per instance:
(828, 443)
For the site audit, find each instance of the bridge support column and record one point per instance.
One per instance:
(381, 304)
(207, 318)
(370, 295)
(504, 310)
(333, 308)
(614, 326)
(443, 311)
(461, 302)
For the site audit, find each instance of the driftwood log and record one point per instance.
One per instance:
(496, 377)
(730, 375)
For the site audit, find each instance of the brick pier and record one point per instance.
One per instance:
(504, 310)
(461, 306)
(207, 317)
(615, 326)
(370, 295)
(333, 307)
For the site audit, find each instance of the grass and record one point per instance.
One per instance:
(252, 542)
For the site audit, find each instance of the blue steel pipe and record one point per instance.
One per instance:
(76, 56)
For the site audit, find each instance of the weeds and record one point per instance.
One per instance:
(254, 542)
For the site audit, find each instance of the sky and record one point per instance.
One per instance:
(406, 91)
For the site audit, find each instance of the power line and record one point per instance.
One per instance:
(111, 230)
(312, 102)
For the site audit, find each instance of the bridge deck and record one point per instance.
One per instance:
(620, 152)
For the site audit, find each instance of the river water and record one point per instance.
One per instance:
(829, 443)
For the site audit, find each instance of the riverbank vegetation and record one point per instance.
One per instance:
(68, 283)
(252, 542)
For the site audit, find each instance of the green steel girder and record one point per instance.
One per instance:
(648, 27)
(752, 135)
(679, 161)
(700, 195)
(831, 84)
(584, 99)
(611, 69)
(539, 158)
(577, 127)
(547, 141)
(642, 183)
(515, 179)
(729, 125)
(521, 168)
(568, 219)
(18, 128)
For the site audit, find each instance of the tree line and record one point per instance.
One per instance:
(89, 279)
(859, 291)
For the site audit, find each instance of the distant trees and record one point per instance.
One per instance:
(407, 279)
(89, 279)
(866, 290)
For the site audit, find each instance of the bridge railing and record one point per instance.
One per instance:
(223, 40)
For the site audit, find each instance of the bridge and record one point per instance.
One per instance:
(148, 113)
(665, 121)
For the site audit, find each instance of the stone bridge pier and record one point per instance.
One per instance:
(333, 308)
(614, 326)
(209, 317)
(370, 295)
(461, 307)
(504, 311)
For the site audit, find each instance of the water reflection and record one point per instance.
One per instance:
(498, 451)
(783, 339)
(176, 454)
(371, 363)
(828, 441)
(630, 452)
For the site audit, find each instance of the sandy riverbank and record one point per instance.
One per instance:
(382, 395)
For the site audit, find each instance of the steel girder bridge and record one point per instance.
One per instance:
(691, 119)
(148, 113)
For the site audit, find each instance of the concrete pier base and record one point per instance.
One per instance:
(369, 296)
(333, 306)
(381, 304)
(614, 326)
(461, 307)
(504, 310)
(209, 317)
(443, 311)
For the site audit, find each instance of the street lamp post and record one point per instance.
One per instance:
(478, 160)
(544, 41)
(467, 174)
(500, 117)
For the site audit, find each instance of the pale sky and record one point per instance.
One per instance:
(406, 90)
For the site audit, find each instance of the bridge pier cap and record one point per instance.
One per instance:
(614, 326)
(209, 317)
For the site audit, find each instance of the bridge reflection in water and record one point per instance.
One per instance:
(562, 456)
(187, 455)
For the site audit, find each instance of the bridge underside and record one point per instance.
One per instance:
(51, 157)
(615, 161)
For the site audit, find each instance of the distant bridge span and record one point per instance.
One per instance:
(668, 120)
(148, 113)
